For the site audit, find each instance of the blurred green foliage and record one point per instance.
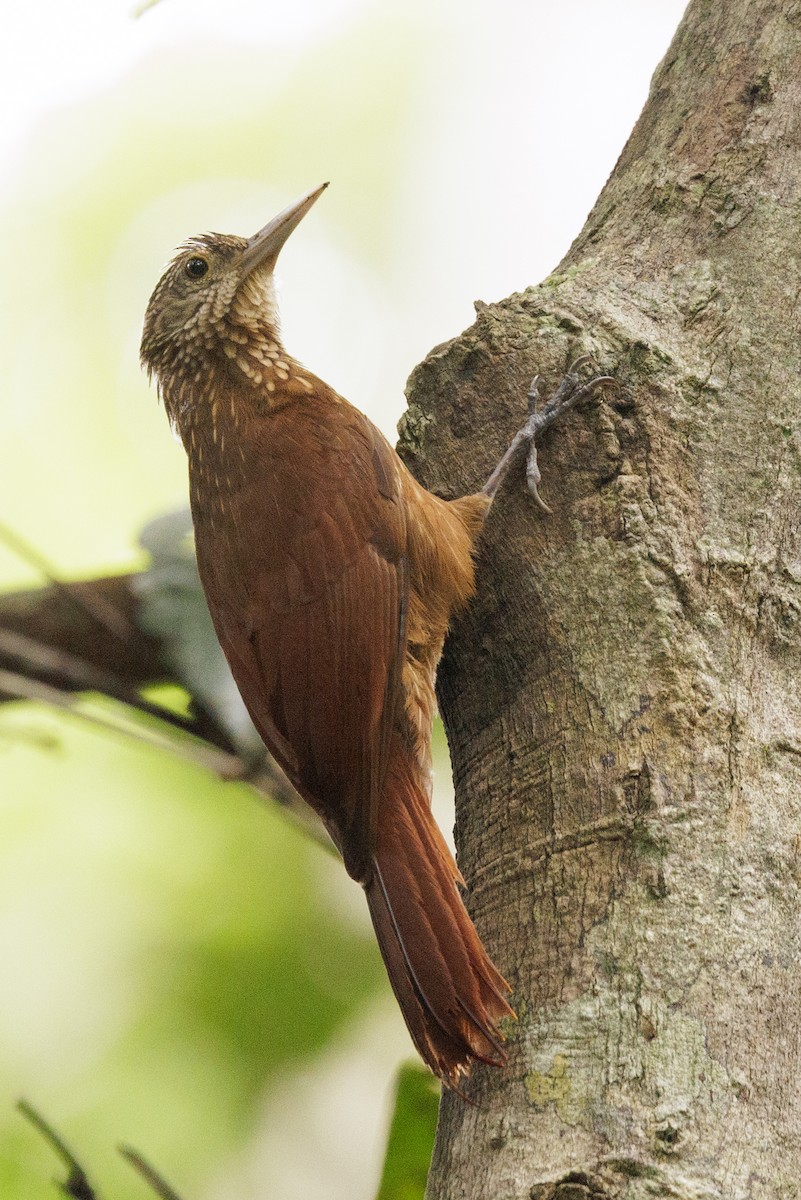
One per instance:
(411, 1135)
(175, 944)
(181, 968)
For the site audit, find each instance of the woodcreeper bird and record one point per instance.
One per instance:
(331, 576)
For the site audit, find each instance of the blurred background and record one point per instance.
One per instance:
(182, 969)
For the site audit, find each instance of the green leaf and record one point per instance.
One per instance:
(411, 1135)
(173, 609)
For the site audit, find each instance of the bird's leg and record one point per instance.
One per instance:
(570, 392)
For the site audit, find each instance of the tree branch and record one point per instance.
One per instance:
(52, 649)
(54, 636)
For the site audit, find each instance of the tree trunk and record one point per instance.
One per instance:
(623, 701)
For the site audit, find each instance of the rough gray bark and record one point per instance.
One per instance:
(623, 701)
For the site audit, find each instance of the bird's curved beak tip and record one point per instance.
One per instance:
(265, 245)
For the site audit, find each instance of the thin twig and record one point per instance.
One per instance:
(110, 618)
(148, 1173)
(143, 7)
(39, 657)
(265, 776)
(77, 1184)
(227, 766)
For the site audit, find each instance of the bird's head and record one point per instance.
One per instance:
(217, 296)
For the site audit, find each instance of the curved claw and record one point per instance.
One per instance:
(568, 394)
(538, 500)
(533, 476)
(583, 360)
(533, 394)
(600, 381)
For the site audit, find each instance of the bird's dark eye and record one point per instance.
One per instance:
(196, 268)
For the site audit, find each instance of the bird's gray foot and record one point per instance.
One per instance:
(571, 391)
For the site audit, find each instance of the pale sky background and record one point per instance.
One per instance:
(465, 143)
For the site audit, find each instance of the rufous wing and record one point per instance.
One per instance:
(314, 626)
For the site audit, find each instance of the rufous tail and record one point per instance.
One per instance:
(450, 994)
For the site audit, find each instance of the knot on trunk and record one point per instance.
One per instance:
(574, 1186)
